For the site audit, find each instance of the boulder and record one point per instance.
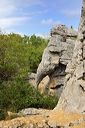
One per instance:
(55, 58)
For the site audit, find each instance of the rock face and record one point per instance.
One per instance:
(55, 58)
(73, 96)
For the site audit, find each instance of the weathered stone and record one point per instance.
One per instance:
(56, 46)
(55, 58)
(56, 119)
(84, 52)
(56, 86)
(33, 111)
(84, 66)
(72, 33)
(59, 30)
(47, 65)
(79, 71)
(73, 96)
(43, 86)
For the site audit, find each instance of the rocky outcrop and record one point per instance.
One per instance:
(55, 58)
(73, 96)
(33, 111)
(27, 112)
(58, 119)
(43, 86)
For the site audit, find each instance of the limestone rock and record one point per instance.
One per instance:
(73, 96)
(33, 111)
(43, 86)
(56, 119)
(47, 65)
(55, 58)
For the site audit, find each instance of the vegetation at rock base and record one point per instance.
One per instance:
(18, 56)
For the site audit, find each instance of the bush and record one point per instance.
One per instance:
(2, 114)
(49, 102)
(17, 95)
(18, 56)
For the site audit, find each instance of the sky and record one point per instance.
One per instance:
(38, 16)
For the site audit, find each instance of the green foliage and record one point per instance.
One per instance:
(18, 56)
(17, 95)
(11, 52)
(2, 114)
(49, 101)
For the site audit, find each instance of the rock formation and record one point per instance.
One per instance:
(58, 119)
(55, 58)
(33, 111)
(73, 96)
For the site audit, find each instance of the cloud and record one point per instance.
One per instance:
(12, 21)
(71, 13)
(39, 12)
(7, 8)
(49, 22)
(13, 7)
(12, 12)
(34, 2)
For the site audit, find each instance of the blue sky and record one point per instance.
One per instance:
(38, 16)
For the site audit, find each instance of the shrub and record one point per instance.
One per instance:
(49, 102)
(17, 95)
(2, 114)
(18, 56)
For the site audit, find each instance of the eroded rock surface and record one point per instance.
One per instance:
(34, 111)
(57, 119)
(73, 96)
(55, 58)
